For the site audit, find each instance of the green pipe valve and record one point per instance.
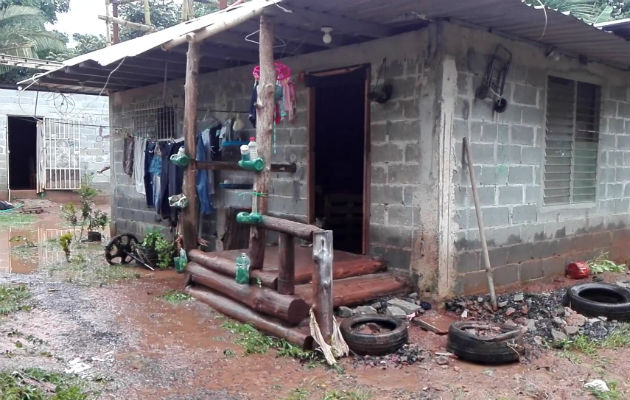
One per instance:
(253, 165)
(252, 218)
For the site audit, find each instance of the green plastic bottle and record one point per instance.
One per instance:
(242, 269)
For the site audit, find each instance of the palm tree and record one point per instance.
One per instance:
(22, 32)
(589, 11)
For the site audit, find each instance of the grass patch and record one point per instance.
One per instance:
(612, 394)
(256, 342)
(298, 394)
(14, 219)
(88, 267)
(175, 297)
(38, 384)
(13, 298)
(347, 395)
(618, 338)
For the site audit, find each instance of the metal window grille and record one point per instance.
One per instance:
(62, 148)
(152, 119)
(571, 141)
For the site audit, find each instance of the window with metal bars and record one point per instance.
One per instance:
(571, 140)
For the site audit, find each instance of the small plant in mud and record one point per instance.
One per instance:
(86, 215)
(175, 297)
(612, 393)
(164, 249)
(601, 263)
(64, 241)
(346, 395)
(38, 384)
(13, 298)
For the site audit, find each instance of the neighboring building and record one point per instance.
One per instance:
(553, 170)
(50, 140)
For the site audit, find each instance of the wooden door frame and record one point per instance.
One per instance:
(310, 162)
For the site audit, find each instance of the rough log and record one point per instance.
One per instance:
(288, 308)
(265, 109)
(298, 229)
(241, 313)
(323, 282)
(359, 289)
(128, 24)
(191, 95)
(286, 271)
(228, 268)
(341, 269)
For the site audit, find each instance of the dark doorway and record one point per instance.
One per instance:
(22, 153)
(338, 144)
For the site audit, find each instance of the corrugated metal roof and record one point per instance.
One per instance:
(353, 21)
(619, 27)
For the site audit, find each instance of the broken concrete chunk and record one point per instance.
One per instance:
(502, 304)
(407, 307)
(518, 297)
(396, 312)
(344, 312)
(571, 330)
(559, 322)
(531, 325)
(558, 336)
(441, 360)
(365, 310)
(597, 384)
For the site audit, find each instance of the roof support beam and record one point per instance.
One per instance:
(115, 77)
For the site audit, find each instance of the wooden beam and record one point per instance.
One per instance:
(265, 108)
(128, 24)
(127, 68)
(224, 24)
(233, 166)
(115, 77)
(323, 282)
(191, 95)
(115, 26)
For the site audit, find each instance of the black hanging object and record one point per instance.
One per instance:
(381, 92)
(494, 79)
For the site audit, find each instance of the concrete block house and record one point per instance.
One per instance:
(50, 140)
(553, 169)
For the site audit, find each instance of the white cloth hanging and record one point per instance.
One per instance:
(138, 163)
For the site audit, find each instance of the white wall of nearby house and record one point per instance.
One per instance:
(92, 112)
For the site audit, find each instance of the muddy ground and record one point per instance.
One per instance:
(127, 343)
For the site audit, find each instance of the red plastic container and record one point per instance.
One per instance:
(578, 270)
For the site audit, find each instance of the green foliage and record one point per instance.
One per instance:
(346, 395)
(298, 394)
(163, 15)
(22, 32)
(13, 298)
(35, 383)
(64, 241)
(165, 249)
(49, 8)
(618, 338)
(87, 215)
(176, 297)
(69, 214)
(601, 263)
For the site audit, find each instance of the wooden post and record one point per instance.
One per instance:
(115, 27)
(265, 108)
(191, 94)
(147, 12)
(482, 232)
(323, 282)
(286, 272)
(108, 36)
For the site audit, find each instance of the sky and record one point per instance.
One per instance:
(83, 18)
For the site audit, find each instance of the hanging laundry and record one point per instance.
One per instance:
(149, 153)
(128, 155)
(171, 178)
(286, 104)
(207, 147)
(138, 165)
(155, 170)
(252, 104)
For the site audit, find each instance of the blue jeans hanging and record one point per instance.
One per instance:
(201, 181)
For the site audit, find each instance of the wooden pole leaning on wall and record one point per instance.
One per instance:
(265, 108)
(482, 231)
(191, 95)
(323, 281)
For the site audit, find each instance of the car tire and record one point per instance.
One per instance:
(483, 350)
(595, 299)
(376, 343)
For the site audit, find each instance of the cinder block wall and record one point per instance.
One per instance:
(528, 240)
(403, 163)
(91, 111)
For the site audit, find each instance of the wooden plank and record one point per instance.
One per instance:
(359, 289)
(265, 109)
(233, 166)
(288, 308)
(341, 269)
(286, 273)
(191, 95)
(244, 314)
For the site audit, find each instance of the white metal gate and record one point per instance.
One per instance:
(59, 166)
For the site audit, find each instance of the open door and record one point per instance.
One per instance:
(339, 155)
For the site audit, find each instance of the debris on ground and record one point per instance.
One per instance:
(542, 316)
(408, 354)
(598, 385)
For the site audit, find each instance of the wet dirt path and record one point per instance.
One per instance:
(136, 346)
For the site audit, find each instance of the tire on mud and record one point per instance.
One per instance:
(470, 347)
(376, 343)
(595, 299)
